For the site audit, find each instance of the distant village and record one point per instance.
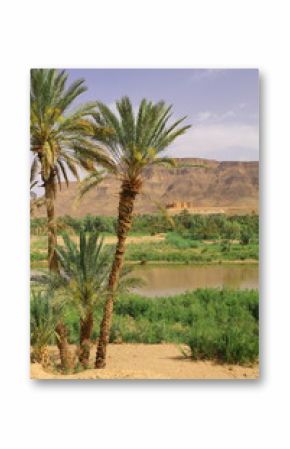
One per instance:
(177, 206)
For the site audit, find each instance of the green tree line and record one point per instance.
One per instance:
(196, 227)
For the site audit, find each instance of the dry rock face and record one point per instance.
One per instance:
(199, 185)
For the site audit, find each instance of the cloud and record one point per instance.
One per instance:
(212, 116)
(221, 141)
(204, 116)
(205, 74)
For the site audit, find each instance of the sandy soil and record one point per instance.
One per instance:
(110, 239)
(138, 238)
(143, 361)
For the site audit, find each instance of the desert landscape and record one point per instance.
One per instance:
(144, 265)
(200, 186)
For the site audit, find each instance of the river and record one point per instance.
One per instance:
(165, 280)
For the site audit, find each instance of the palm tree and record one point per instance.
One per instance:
(44, 314)
(84, 273)
(42, 326)
(81, 284)
(60, 139)
(135, 141)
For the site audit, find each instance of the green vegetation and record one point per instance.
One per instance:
(60, 139)
(195, 239)
(84, 276)
(215, 324)
(178, 250)
(181, 251)
(193, 226)
(80, 286)
(42, 324)
(226, 328)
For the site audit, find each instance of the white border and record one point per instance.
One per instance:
(216, 34)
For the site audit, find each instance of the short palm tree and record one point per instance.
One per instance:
(42, 325)
(46, 326)
(82, 282)
(84, 273)
(60, 138)
(85, 270)
(135, 141)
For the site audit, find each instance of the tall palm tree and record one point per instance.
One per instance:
(60, 139)
(135, 141)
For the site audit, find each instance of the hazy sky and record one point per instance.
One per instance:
(222, 105)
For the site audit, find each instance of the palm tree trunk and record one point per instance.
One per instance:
(51, 225)
(63, 346)
(86, 328)
(126, 205)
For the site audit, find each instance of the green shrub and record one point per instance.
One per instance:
(216, 324)
(231, 342)
(42, 323)
(227, 328)
(180, 241)
(245, 237)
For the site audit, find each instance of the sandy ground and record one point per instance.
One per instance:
(143, 361)
(111, 238)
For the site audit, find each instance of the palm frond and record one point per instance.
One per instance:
(136, 140)
(90, 182)
(60, 139)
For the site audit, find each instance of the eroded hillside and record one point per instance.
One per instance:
(199, 185)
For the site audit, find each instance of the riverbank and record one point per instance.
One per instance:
(167, 249)
(147, 361)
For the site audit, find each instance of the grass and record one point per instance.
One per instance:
(189, 252)
(215, 324)
(174, 249)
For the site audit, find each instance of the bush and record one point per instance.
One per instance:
(227, 328)
(231, 342)
(245, 237)
(225, 246)
(180, 241)
(216, 324)
(42, 324)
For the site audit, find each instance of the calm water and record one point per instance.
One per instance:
(164, 280)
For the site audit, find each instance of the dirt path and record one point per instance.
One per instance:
(143, 361)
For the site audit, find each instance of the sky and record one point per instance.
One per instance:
(221, 105)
